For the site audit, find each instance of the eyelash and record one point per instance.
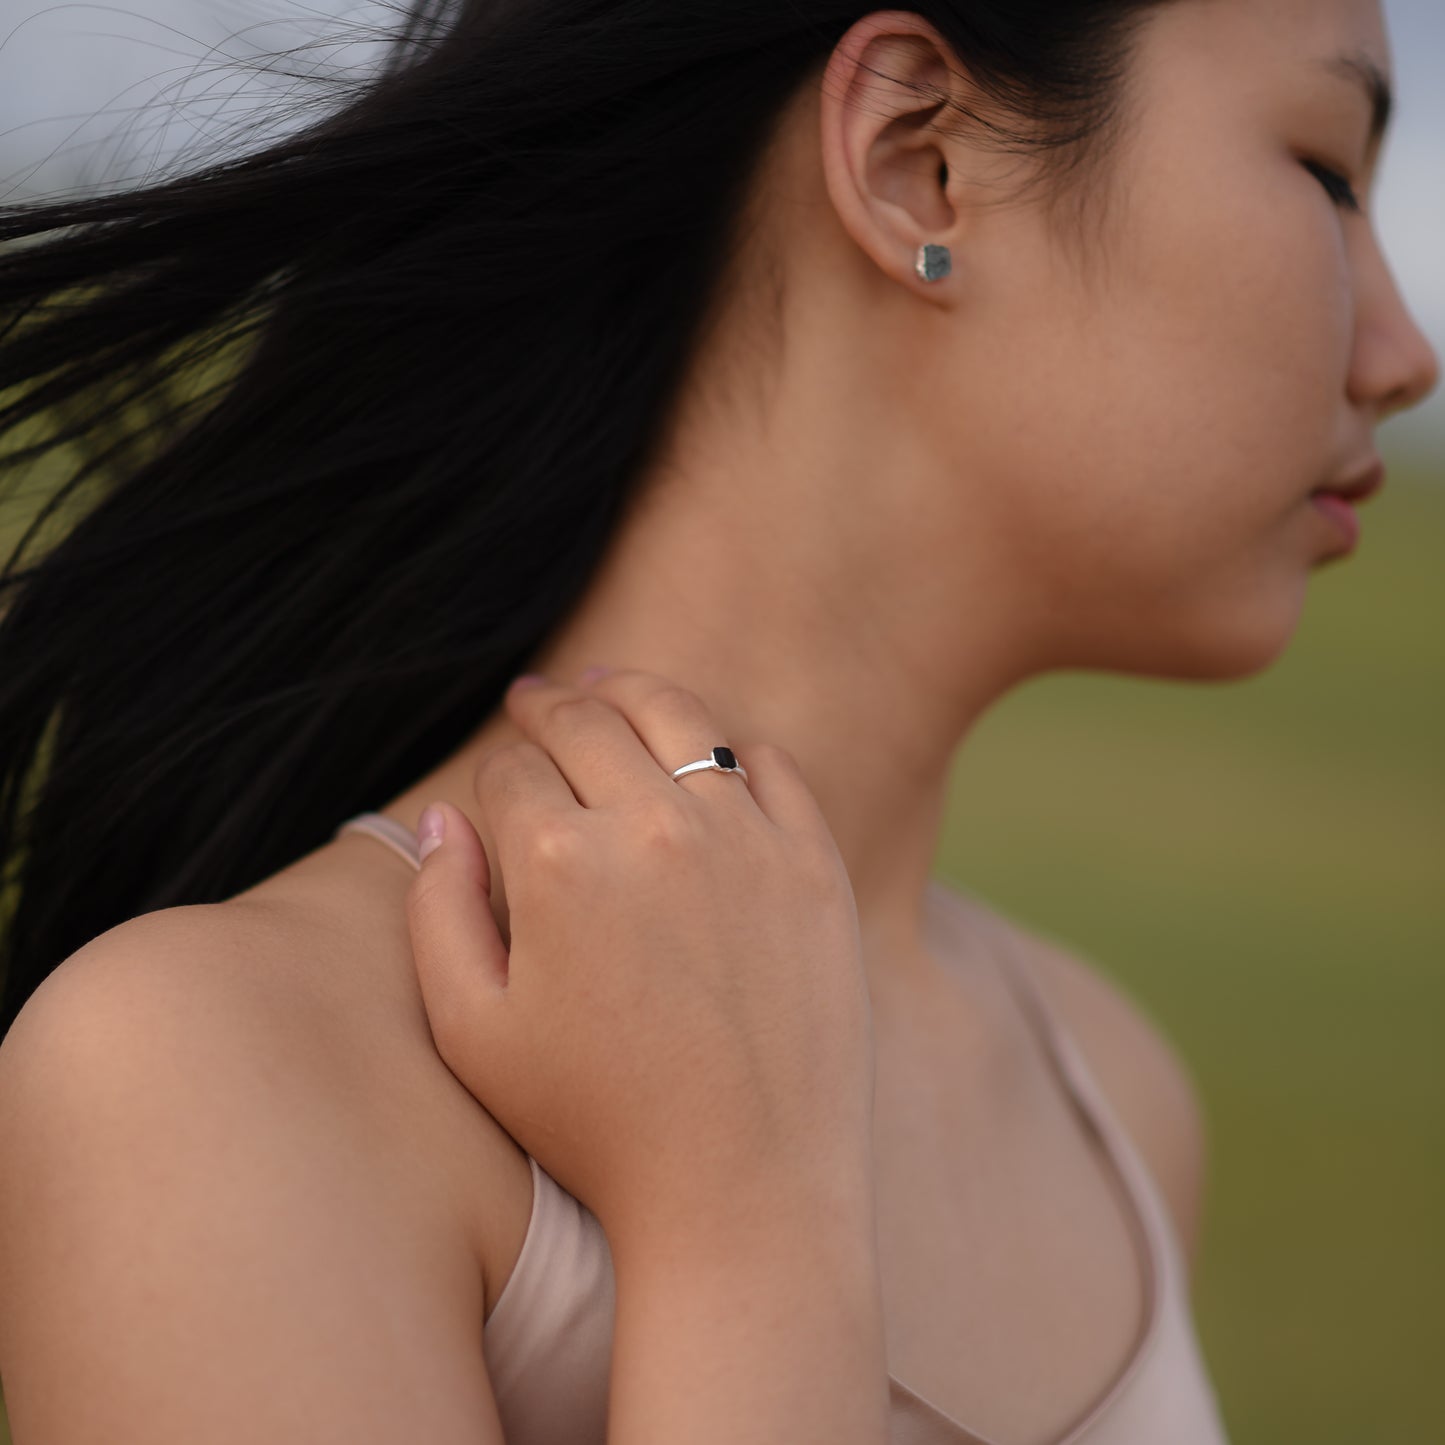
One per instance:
(1339, 189)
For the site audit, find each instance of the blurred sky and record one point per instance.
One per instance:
(62, 64)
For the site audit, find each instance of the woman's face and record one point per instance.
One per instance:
(1145, 432)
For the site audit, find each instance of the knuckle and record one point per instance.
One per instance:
(575, 713)
(665, 829)
(553, 846)
(673, 701)
(496, 764)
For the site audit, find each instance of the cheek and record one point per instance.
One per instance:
(1195, 400)
(1241, 328)
(1151, 442)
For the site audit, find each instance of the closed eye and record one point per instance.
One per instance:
(1339, 189)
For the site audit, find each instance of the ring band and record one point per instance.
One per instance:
(721, 761)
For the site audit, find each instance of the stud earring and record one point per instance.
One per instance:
(933, 263)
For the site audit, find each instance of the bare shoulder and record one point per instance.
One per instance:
(197, 1221)
(243, 1007)
(1148, 1083)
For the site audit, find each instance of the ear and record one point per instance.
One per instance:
(890, 171)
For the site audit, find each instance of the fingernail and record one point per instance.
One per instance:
(430, 830)
(528, 679)
(593, 673)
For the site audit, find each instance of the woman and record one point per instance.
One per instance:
(828, 373)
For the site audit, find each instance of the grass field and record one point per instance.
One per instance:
(1262, 864)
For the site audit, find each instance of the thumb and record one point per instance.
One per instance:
(461, 962)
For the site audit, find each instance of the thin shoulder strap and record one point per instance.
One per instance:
(386, 831)
(1146, 1215)
(1065, 1054)
(1091, 1104)
(1038, 1009)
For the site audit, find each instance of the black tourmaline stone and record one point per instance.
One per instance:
(724, 758)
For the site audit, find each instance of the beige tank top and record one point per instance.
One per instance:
(548, 1341)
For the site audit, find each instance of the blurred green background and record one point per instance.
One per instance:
(1262, 865)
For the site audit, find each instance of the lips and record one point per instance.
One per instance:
(1363, 484)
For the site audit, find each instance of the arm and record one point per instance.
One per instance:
(761, 1324)
(191, 1246)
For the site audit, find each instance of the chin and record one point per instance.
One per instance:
(1234, 639)
(1216, 635)
(1227, 629)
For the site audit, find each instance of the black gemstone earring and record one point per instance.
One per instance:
(933, 263)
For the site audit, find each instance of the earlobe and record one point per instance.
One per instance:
(882, 161)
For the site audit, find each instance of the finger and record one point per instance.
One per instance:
(461, 962)
(591, 743)
(677, 726)
(780, 789)
(520, 792)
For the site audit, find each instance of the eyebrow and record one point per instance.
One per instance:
(1362, 68)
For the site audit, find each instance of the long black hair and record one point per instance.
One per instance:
(344, 425)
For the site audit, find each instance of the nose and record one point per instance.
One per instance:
(1395, 367)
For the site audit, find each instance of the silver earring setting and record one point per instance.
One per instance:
(933, 263)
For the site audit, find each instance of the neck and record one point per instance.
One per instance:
(820, 588)
(842, 666)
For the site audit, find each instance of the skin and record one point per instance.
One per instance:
(880, 506)
(883, 504)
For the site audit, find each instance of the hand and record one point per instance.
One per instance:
(682, 1016)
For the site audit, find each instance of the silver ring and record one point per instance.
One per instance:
(721, 761)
